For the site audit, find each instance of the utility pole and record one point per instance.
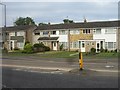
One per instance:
(3, 31)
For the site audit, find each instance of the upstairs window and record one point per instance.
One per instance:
(110, 31)
(37, 33)
(86, 31)
(45, 32)
(53, 32)
(97, 31)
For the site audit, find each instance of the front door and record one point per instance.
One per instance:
(11, 45)
(54, 45)
(82, 46)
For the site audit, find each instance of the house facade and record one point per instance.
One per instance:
(16, 36)
(78, 36)
(73, 36)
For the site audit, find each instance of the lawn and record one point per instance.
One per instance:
(63, 54)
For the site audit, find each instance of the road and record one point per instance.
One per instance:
(26, 79)
(56, 73)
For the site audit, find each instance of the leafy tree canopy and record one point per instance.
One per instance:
(24, 21)
(67, 21)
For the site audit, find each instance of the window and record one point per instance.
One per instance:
(97, 31)
(110, 31)
(45, 32)
(114, 45)
(64, 44)
(62, 32)
(53, 32)
(20, 45)
(75, 32)
(105, 45)
(37, 33)
(86, 31)
(75, 44)
(110, 45)
(20, 33)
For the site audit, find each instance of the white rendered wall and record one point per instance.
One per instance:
(107, 37)
(63, 38)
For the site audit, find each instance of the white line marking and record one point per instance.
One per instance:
(40, 68)
(104, 70)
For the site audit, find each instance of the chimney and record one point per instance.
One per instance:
(85, 20)
(48, 23)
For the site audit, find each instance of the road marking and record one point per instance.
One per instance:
(34, 71)
(104, 70)
(73, 54)
(109, 66)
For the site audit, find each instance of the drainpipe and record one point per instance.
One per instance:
(69, 40)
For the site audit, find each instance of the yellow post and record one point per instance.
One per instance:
(81, 61)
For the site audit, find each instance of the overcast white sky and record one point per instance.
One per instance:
(55, 12)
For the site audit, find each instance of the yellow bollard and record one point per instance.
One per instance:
(81, 61)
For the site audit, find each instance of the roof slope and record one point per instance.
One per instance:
(19, 28)
(79, 25)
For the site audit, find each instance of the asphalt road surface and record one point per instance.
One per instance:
(31, 72)
(80, 79)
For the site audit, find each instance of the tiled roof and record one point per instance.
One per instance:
(79, 25)
(48, 38)
(19, 28)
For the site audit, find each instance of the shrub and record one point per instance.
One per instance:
(106, 50)
(28, 48)
(40, 47)
(27, 42)
(111, 51)
(102, 50)
(61, 47)
(93, 50)
(115, 51)
(4, 51)
(16, 48)
(46, 48)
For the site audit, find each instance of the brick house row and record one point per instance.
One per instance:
(73, 36)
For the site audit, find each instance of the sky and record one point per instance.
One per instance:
(55, 12)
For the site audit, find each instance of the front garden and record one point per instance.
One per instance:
(40, 50)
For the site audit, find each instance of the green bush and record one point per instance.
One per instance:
(111, 51)
(106, 50)
(4, 51)
(93, 50)
(28, 48)
(40, 47)
(16, 48)
(115, 51)
(61, 47)
(46, 48)
(102, 50)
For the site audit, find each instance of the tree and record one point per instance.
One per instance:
(24, 21)
(68, 21)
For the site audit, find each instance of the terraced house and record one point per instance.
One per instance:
(73, 36)
(16, 36)
(83, 36)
